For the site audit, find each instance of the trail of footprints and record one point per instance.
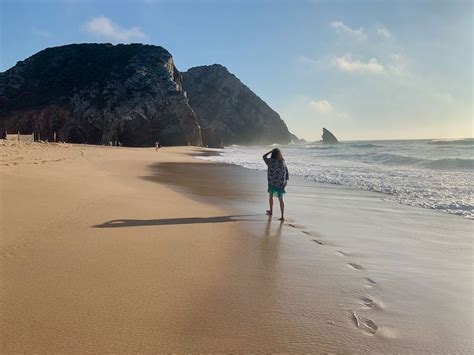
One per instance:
(364, 323)
(20, 161)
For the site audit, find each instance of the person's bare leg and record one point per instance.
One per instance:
(282, 208)
(270, 202)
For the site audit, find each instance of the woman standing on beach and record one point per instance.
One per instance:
(277, 179)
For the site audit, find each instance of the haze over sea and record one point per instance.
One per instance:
(435, 174)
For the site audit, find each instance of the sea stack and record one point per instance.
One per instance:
(328, 137)
(296, 140)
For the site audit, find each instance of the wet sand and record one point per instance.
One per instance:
(107, 249)
(369, 274)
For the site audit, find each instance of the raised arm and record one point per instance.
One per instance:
(265, 155)
(265, 159)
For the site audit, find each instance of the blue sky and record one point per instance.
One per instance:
(363, 69)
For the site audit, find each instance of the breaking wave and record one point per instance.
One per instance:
(458, 142)
(410, 172)
(451, 164)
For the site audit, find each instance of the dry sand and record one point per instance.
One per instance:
(158, 283)
(98, 255)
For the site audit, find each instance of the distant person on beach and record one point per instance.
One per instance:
(157, 145)
(277, 179)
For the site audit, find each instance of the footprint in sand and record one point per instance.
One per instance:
(343, 253)
(356, 266)
(364, 323)
(370, 303)
(311, 234)
(370, 281)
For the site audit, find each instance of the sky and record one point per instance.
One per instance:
(364, 69)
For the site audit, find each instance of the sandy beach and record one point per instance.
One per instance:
(112, 249)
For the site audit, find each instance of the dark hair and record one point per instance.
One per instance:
(276, 154)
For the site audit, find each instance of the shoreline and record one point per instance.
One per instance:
(430, 176)
(112, 257)
(382, 256)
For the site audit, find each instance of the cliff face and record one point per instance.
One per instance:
(328, 137)
(230, 109)
(98, 93)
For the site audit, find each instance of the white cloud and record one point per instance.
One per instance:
(394, 64)
(322, 106)
(343, 28)
(346, 63)
(383, 32)
(103, 27)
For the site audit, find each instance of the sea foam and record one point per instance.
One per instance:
(429, 174)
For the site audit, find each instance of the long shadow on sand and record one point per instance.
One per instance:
(117, 223)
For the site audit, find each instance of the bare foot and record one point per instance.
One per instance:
(281, 219)
(268, 212)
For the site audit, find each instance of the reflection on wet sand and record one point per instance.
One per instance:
(270, 244)
(340, 246)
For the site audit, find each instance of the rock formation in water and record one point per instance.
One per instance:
(99, 93)
(328, 137)
(228, 107)
(295, 139)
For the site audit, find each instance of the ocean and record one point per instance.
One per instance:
(434, 174)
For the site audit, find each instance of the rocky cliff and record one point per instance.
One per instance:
(230, 109)
(98, 93)
(328, 137)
